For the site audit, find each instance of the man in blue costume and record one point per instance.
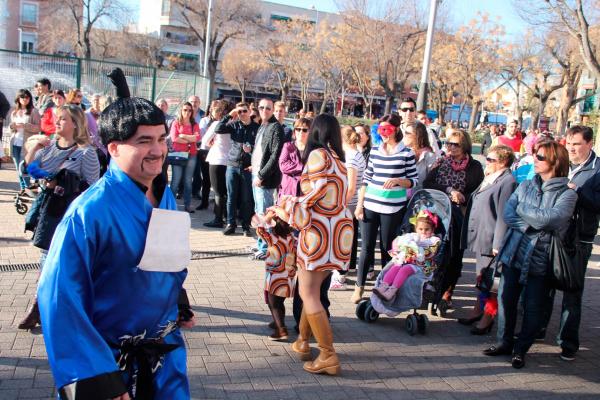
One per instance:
(110, 322)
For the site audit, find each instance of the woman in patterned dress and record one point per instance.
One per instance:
(325, 240)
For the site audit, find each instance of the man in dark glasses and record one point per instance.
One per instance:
(238, 177)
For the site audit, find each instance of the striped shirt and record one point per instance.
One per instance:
(356, 161)
(381, 167)
(82, 160)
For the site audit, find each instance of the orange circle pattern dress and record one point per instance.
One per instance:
(321, 215)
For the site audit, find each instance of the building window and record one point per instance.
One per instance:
(28, 42)
(166, 7)
(29, 13)
(588, 104)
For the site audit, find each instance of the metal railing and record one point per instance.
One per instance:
(20, 70)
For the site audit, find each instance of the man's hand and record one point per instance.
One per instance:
(234, 113)
(257, 182)
(189, 324)
(457, 197)
(571, 185)
(246, 148)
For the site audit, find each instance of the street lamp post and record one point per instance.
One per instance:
(20, 46)
(423, 88)
(207, 53)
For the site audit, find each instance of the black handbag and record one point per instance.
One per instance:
(490, 276)
(566, 265)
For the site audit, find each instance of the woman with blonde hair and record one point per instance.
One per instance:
(66, 166)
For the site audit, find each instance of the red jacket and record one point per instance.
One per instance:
(47, 122)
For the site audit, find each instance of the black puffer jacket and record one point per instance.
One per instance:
(587, 179)
(533, 212)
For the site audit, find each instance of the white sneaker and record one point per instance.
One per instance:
(336, 284)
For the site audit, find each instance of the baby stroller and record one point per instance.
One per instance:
(24, 199)
(418, 291)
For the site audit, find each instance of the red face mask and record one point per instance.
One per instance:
(386, 130)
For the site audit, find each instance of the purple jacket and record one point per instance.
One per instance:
(290, 164)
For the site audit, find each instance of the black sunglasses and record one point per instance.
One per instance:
(301, 130)
(405, 109)
(264, 108)
(243, 111)
(541, 158)
(452, 144)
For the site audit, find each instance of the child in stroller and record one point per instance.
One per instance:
(411, 252)
(280, 266)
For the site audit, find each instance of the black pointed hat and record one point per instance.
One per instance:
(120, 120)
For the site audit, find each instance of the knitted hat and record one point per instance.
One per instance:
(120, 120)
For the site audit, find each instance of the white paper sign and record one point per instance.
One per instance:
(167, 242)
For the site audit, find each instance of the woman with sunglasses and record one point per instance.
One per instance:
(185, 133)
(24, 123)
(484, 229)
(390, 172)
(537, 210)
(458, 175)
(290, 160)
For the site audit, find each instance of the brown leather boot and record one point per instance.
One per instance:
(301, 346)
(32, 319)
(327, 362)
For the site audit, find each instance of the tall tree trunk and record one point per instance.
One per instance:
(476, 106)
(389, 100)
(284, 92)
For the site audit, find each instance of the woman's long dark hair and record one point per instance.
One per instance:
(180, 119)
(30, 106)
(325, 133)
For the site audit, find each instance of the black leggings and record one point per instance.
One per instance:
(277, 307)
(387, 225)
(217, 182)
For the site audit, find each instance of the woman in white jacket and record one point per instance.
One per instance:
(218, 146)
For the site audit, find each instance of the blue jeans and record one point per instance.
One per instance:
(187, 173)
(263, 199)
(570, 318)
(16, 156)
(534, 300)
(239, 188)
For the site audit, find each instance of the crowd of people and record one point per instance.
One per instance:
(310, 190)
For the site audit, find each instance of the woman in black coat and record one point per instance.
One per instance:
(458, 175)
(484, 228)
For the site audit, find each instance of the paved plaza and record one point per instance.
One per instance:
(230, 357)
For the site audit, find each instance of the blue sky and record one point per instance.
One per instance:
(462, 11)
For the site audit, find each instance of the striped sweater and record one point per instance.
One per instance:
(381, 167)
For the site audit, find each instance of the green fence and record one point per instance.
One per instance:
(20, 70)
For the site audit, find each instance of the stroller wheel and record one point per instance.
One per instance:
(422, 323)
(443, 307)
(21, 208)
(360, 309)
(411, 324)
(370, 314)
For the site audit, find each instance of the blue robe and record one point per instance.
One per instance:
(91, 294)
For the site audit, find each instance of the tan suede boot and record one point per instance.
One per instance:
(357, 295)
(301, 345)
(327, 362)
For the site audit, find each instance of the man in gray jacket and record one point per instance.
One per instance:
(584, 176)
